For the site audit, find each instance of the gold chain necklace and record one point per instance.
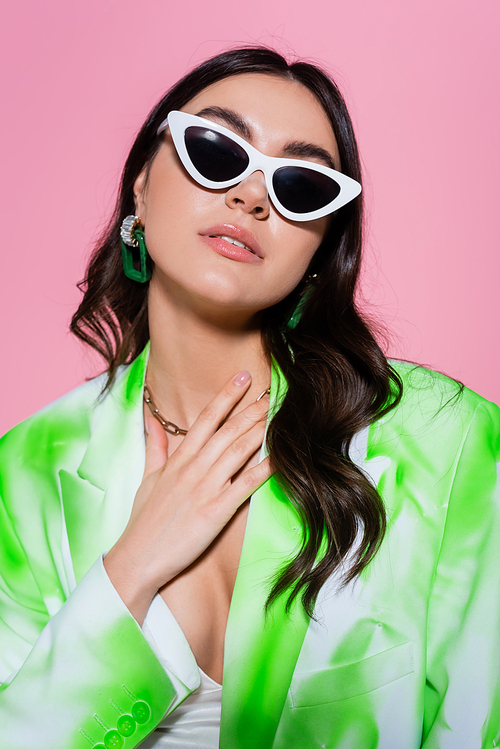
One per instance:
(169, 426)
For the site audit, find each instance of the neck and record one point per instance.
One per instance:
(194, 355)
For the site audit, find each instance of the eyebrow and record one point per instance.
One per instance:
(230, 118)
(309, 150)
(296, 148)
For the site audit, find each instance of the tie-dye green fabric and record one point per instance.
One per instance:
(407, 657)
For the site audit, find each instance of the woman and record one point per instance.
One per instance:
(354, 601)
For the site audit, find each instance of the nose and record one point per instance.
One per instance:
(250, 195)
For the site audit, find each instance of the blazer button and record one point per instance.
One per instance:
(99, 746)
(113, 740)
(126, 725)
(141, 712)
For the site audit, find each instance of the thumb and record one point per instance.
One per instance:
(156, 446)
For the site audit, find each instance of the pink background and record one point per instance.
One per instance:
(422, 82)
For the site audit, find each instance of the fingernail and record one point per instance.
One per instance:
(242, 378)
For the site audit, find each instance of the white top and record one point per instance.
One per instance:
(195, 723)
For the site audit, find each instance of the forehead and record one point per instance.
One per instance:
(277, 110)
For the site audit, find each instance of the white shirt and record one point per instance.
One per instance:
(194, 724)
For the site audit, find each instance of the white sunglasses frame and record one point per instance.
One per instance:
(177, 122)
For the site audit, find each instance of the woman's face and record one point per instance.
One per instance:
(184, 222)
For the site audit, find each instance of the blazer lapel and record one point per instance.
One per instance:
(261, 651)
(98, 498)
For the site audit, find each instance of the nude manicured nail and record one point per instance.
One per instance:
(242, 378)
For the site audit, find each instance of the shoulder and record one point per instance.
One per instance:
(58, 425)
(66, 415)
(435, 460)
(69, 420)
(58, 435)
(436, 416)
(433, 389)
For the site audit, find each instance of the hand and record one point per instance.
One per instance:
(185, 500)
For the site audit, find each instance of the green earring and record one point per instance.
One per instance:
(132, 237)
(297, 313)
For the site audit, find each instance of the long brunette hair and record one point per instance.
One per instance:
(339, 381)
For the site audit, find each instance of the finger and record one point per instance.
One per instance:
(245, 485)
(237, 454)
(214, 413)
(231, 436)
(156, 446)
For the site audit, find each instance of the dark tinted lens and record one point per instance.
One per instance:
(214, 155)
(303, 190)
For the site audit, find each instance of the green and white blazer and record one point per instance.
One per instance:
(407, 656)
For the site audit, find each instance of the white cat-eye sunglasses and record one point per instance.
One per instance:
(217, 158)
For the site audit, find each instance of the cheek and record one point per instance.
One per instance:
(299, 247)
(168, 188)
(167, 209)
(165, 199)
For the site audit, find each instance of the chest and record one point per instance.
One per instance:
(200, 597)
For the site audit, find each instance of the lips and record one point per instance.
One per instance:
(235, 236)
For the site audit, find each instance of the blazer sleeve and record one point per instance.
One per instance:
(462, 696)
(87, 676)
